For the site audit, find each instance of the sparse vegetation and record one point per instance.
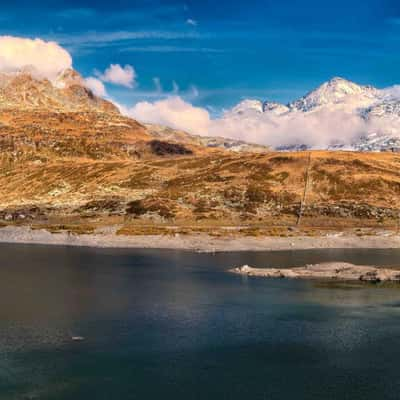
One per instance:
(345, 189)
(136, 208)
(161, 148)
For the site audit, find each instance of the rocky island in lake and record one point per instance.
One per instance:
(332, 270)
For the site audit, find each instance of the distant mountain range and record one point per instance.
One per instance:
(375, 114)
(34, 104)
(338, 115)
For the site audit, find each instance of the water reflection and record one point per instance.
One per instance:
(176, 324)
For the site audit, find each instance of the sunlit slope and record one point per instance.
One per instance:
(219, 187)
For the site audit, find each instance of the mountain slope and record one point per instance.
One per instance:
(205, 191)
(43, 121)
(215, 142)
(67, 94)
(64, 118)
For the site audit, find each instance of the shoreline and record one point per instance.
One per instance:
(198, 242)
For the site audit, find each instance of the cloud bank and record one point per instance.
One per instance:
(318, 129)
(46, 59)
(173, 112)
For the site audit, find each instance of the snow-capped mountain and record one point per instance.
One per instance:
(339, 114)
(337, 91)
(246, 106)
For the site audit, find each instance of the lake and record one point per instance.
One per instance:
(160, 324)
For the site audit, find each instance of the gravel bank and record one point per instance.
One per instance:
(201, 242)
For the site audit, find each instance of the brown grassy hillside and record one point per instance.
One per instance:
(205, 190)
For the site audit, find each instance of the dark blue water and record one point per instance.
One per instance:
(176, 325)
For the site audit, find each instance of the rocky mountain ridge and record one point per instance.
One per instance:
(213, 142)
(64, 118)
(67, 93)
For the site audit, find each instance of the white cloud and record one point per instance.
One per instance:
(157, 84)
(317, 130)
(122, 109)
(392, 92)
(194, 91)
(96, 86)
(123, 76)
(192, 22)
(175, 88)
(104, 39)
(171, 49)
(46, 59)
(173, 112)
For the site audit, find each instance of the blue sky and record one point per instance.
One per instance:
(228, 50)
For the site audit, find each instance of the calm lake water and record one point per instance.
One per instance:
(176, 325)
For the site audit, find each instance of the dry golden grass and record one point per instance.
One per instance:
(210, 190)
(78, 229)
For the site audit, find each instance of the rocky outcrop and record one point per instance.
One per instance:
(214, 142)
(332, 271)
(343, 210)
(68, 94)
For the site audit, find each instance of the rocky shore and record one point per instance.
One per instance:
(107, 237)
(334, 270)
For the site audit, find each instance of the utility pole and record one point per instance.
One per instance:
(306, 184)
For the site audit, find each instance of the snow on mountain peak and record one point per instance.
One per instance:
(335, 91)
(337, 114)
(275, 108)
(246, 106)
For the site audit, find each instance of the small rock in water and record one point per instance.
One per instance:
(77, 338)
